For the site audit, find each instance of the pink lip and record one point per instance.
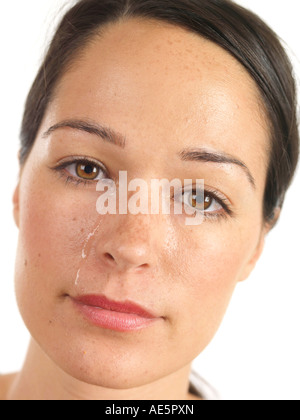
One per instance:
(117, 316)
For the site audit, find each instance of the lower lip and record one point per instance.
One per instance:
(111, 320)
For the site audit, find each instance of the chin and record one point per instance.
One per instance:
(102, 363)
(107, 373)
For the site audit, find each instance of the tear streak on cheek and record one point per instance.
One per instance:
(86, 243)
(77, 277)
(86, 250)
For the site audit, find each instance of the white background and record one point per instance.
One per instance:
(255, 354)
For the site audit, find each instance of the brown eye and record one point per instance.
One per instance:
(87, 171)
(196, 201)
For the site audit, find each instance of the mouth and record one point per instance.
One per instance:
(117, 316)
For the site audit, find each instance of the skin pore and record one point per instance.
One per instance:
(164, 90)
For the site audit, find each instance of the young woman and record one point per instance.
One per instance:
(119, 304)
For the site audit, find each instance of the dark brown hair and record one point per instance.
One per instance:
(240, 32)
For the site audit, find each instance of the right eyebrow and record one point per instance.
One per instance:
(203, 155)
(105, 133)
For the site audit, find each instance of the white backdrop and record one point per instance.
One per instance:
(256, 353)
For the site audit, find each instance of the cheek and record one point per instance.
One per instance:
(212, 257)
(54, 226)
(209, 267)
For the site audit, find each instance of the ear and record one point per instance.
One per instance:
(16, 204)
(273, 220)
(254, 257)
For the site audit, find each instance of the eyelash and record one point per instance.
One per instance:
(224, 203)
(69, 179)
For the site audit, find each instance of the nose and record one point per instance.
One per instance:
(128, 243)
(126, 258)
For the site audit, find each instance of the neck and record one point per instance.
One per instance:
(41, 379)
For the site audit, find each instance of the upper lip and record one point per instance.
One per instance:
(127, 307)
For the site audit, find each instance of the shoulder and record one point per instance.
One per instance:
(201, 388)
(5, 385)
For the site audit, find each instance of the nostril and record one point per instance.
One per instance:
(109, 257)
(125, 258)
(144, 266)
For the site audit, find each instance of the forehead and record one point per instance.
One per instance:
(153, 81)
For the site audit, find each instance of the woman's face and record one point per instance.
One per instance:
(165, 91)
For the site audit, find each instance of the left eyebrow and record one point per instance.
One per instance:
(90, 127)
(203, 155)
